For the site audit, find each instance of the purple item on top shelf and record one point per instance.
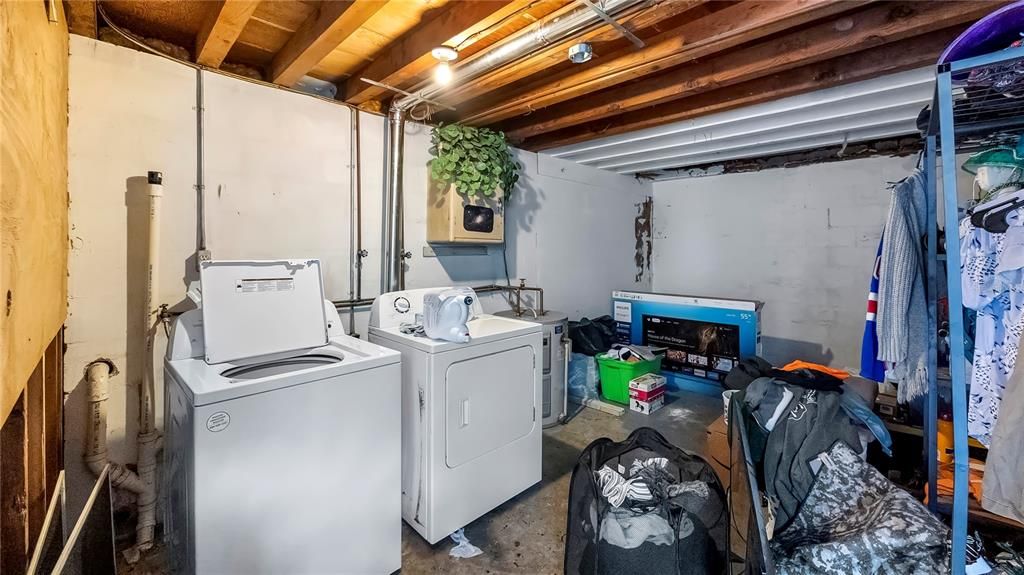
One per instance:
(994, 32)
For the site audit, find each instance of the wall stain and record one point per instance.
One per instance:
(642, 231)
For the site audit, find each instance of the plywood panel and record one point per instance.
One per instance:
(266, 37)
(284, 15)
(33, 189)
(395, 19)
(337, 65)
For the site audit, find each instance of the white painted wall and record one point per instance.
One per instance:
(803, 240)
(277, 181)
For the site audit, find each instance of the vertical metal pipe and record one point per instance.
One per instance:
(391, 234)
(931, 402)
(957, 367)
(353, 250)
(201, 252)
(360, 254)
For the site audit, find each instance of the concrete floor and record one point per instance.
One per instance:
(527, 534)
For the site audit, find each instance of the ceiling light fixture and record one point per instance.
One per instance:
(580, 53)
(443, 71)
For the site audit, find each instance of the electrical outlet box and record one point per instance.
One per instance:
(453, 218)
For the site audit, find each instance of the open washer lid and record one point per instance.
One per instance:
(254, 308)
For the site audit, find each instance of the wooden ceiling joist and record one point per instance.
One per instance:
(222, 27)
(553, 54)
(717, 32)
(887, 59)
(321, 33)
(409, 57)
(81, 15)
(849, 34)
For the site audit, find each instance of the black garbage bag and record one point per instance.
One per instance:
(592, 336)
(698, 518)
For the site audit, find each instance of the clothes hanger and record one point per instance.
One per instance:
(994, 220)
(1000, 204)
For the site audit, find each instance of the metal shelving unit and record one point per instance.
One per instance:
(968, 113)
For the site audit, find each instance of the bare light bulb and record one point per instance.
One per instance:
(443, 74)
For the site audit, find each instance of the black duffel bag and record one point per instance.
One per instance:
(698, 518)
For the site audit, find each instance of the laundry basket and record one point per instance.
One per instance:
(615, 375)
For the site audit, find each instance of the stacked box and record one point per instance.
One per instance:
(647, 393)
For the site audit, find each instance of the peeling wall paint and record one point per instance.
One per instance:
(642, 226)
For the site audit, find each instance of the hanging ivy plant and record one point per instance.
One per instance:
(476, 160)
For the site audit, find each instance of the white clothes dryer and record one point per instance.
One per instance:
(471, 413)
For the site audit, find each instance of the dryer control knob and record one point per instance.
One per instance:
(402, 305)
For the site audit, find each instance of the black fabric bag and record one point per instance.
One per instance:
(701, 523)
(591, 337)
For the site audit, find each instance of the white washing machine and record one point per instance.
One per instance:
(282, 449)
(471, 414)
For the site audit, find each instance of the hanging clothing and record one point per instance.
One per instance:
(870, 366)
(902, 308)
(992, 281)
(1003, 485)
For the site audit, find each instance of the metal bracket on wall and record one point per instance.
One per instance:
(441, 251)
(613, 23)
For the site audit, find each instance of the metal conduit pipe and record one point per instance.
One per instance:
(362, 302)
(392, 244)
(355, 279)
(540, 34)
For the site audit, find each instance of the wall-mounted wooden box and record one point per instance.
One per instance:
(455, 219)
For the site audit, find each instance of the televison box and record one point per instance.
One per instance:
(705, 337)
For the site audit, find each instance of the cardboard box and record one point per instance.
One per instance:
(647, 407)
(717, 451)
(648, 382)
(646, 395)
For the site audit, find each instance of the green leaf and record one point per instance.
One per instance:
(475, 160)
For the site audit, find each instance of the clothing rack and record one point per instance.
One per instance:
(962, 120)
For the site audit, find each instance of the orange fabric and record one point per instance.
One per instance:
(800, 364)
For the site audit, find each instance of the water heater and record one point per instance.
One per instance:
(556, 361)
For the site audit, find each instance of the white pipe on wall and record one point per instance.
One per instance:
(97, 377)
(148, 439)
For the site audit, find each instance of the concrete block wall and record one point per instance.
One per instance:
(803, 240)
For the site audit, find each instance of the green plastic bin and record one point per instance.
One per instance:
(615, 375)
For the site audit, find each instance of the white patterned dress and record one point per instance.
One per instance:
(992, 277)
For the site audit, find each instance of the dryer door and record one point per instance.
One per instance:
(489, 403)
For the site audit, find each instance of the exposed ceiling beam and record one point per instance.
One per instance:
(409, 56)
(870, 63)
(846, 35)
(81, 15)
(716, 32)
(321, 33)
(226, 20)
(545, 57)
